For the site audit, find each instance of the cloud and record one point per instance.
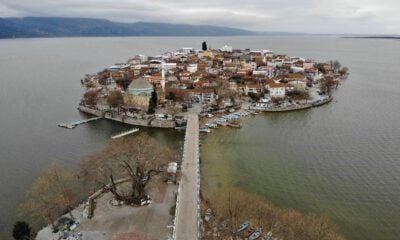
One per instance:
(316, 16)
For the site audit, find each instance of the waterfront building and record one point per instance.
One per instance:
(277, 90)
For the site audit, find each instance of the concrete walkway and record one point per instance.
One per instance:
(188, 202)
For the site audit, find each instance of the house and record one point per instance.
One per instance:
(169, 66)
(297, 80)
(311, 72)
(277, 89)
(227, 48)
(186, 50)
(268, 53)
(192, 68)
(252, 88)
(308, 64)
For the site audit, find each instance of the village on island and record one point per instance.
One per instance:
(158, 91)
(142, 191)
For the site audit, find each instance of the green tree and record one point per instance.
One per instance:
(171, 96)
(204, 46)
(152, 103)
(21, 231)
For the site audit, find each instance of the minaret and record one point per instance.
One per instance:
(162, 77)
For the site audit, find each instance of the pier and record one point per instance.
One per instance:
(125, 133)
(187, 213)
(74, 124)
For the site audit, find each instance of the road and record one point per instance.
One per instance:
(187, 212)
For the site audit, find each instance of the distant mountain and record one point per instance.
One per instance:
(73, 27)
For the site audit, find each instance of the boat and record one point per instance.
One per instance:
(243, 226)
(204, 130)
(254, 234)
(223, 124)
(208, 215)
(267, 236)
(235, 124)
(180, 128)
(321, 101)
(211, 125)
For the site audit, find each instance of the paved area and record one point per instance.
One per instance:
(187, 213)
(119, 223)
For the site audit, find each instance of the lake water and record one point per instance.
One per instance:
(341, 159)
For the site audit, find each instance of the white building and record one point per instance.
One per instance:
(169, 66)
(192, 68)
(277, 90)
(186, 50)
(227, 48)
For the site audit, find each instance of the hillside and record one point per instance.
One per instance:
(73, 27)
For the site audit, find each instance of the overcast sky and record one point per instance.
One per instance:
(313, 16)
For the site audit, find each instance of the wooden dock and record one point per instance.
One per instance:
(125, 133)
(75, 124)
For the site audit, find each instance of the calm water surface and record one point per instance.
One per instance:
(341, 159)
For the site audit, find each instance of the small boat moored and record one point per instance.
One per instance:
(204, 130)
(243, 226)
(254, 234)
(267, 236)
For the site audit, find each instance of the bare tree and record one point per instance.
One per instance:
(138, 158)
(103, 76)
(326, 85)
(91, 97)
(89, 85)
(335, 65)
(115, 99)
(344, 71)
(53, 192)
(238, 207)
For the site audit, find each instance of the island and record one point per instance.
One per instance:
(219, 85)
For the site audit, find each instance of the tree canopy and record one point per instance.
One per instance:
(231, 205)
(21, 231)
(204, 46)
(136, 158)
(152, 103)
(115, 99)
(53, 192)
(91, 97)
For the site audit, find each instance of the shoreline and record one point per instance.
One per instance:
(155, 123)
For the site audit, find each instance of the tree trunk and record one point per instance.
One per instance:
(51, 220)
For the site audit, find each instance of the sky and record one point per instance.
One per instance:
(307, 16)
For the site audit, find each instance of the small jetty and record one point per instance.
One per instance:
(75, 124)
(122, 134)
